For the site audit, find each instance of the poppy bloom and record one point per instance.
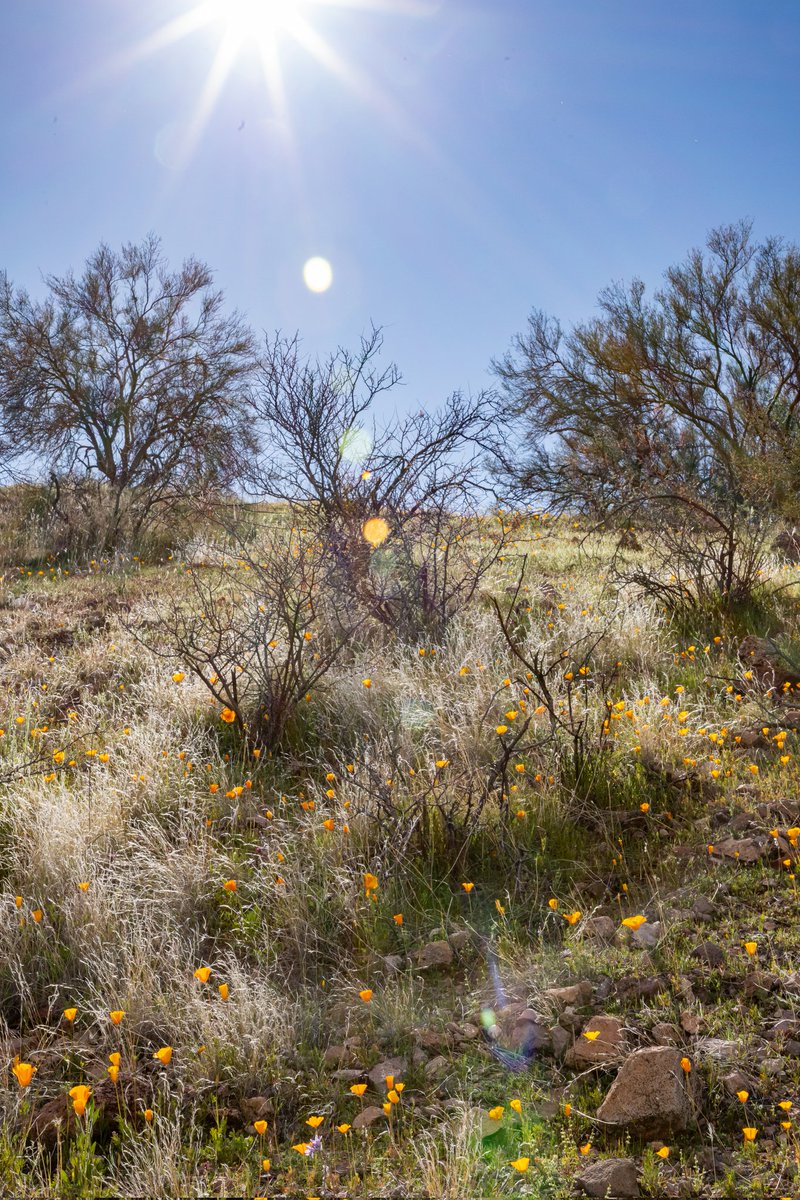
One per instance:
(663, 1152)
(148, 1114)
(367, 683)
(591, 1034)
(223, 991)
(585, 1148)
(230, 885)
(366, 995)
(164, 1055)
(572, 918)
(552, 903)
(751, 947)
(113, 1071)
(117, 1015)
(228, 716)
(314, 1122)
(520, 1164)
(398, 918)
(37, 915)
(260, 1127)
(370, 882)
(743, 1096)
(79, 1095)
(178, 677)
(358, 1089)
(343, 1128)
(468, 887)
(686, 1065)
(202, 973)
(634, 922)
(496, 1113)
(749, 1133)
(516, 1105)
(84, 886)
(70, 1014)
(24, 1073)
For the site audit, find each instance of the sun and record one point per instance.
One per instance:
(256, 20)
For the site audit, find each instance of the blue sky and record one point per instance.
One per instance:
(460, 163)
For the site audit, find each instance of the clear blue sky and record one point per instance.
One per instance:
(458, 162)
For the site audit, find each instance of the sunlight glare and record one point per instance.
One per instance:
(257, 20)
(317, 274)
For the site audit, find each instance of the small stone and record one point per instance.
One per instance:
(347, 1074)
(559, 1040)
(576, 993)
(437, 1067)
(667, 1034)
(460, 939)
(608, 1047)
(468, 1032)
(599, 929)
(718, 1049)
(690, 1023)
(434, 954)
(610, 1179)
(736, 1082)
(256, 1108)
(368, 1116)
(647, 936)
(709, 953)
(390, 1066)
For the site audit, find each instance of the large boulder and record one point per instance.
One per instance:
(650, 1094)
(610, 1179)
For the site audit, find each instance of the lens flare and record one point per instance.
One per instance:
(376, 530)
(317, 274)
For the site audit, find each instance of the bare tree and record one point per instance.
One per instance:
(125, 386)
(256, 623)
(403, 505)
(683, 409)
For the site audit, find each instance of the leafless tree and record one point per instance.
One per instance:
(256, 623)
(681, 412)
(125, 387)
(404, 505)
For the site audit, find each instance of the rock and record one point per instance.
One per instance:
(390, 1066)
(746, 850)
(368, 1116)
(690, 1023)
(599, 929)
(610, 1179)
(460, 939)
(434, 1040)
(437, 1067)
(607, 1048)
(257, 1108)
(709, 953)
(649, 1096)
(347, 1074)
(736, 1082)
(576, 993)
(336, 1055)
(703, 909)
(434, 954)
(788, 543)
(718, 1049)
(468, 1032)
(786, 1027)
(530, 1031)
(667, 1034)
(769, 666)
(559, 1040)
(392, 963)
(647, 936)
